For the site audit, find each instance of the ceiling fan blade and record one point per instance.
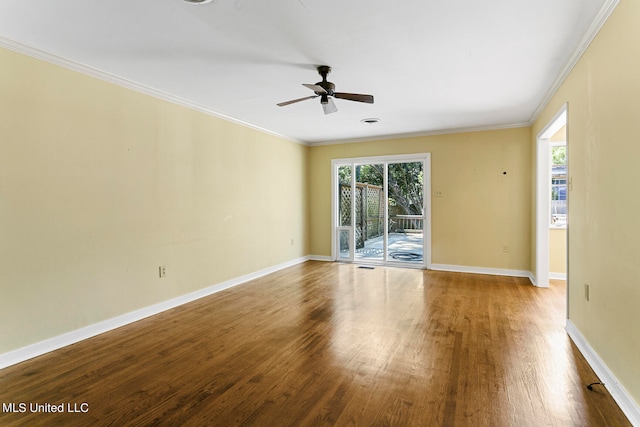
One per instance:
(315, 88)
(282, 104)
(354, 97)
(329, 106)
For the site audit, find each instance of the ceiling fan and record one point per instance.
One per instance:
(325, 90)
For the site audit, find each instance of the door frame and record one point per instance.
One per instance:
(543, 193)
(425, 158)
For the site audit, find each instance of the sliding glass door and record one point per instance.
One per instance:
(405, 195)
(380, 210)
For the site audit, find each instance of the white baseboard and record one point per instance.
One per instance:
(320, 258)
(558, 276)
(552, 276)
(617, 391)
(481, 270)
(39, 348)
(458, 269)
(532, 279)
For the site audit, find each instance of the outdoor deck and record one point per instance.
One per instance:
(404, 247)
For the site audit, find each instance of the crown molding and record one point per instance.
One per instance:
(420, 134)
(129, 84)
(603, 15)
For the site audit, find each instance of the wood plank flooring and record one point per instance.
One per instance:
(324, 344)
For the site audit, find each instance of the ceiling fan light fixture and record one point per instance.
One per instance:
(370, 120)
(197, 1)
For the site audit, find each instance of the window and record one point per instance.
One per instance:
(559, 185)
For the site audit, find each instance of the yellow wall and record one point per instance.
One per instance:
(481, 209)
(602, 92)
(101, 185)
(558, 250)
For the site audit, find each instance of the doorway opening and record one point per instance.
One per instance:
(381, 210)
(552, 188)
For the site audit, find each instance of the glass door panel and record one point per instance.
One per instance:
(345, 208)
(369, 212)
(344, 244)
(405, 195)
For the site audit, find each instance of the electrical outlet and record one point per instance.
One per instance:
(162, 271)
(438, 194)
(586, 291)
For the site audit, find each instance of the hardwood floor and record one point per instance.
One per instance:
(329, 344)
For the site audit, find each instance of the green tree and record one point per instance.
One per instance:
(559, 155)
(405, 184)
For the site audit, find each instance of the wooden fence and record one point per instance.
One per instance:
(369, 221)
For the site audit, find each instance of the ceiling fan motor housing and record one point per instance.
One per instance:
(329, 87)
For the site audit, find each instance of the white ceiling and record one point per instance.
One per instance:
(432, 65)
